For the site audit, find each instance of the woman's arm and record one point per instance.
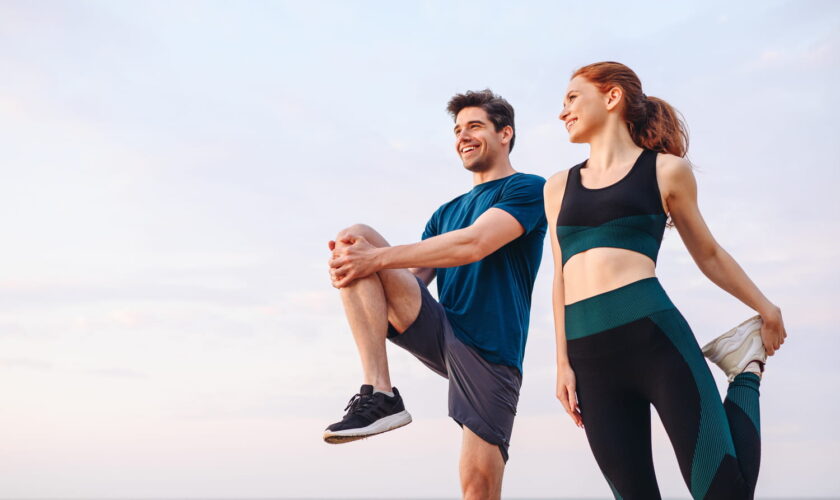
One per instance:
(553, 195)
(680, 191)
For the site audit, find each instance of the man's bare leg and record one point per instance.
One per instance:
(367, 314)
(481, 468)
(370, 303)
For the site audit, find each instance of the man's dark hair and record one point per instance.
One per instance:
(498, 110)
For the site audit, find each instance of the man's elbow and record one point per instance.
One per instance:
(476, 249)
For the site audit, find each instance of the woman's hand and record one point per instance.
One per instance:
(566, 393)
(773, 332)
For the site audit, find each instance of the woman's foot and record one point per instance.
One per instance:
(739, 350)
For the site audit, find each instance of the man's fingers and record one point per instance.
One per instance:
(346, 279)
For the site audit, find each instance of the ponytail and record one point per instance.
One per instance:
(653, 123)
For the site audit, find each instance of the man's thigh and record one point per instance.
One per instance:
(402, 291)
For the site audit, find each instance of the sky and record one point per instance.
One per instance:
(172, 171)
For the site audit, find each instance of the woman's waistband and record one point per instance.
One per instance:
(615, 308)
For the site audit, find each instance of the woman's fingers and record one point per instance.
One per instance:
(575, 409)
(564, 400)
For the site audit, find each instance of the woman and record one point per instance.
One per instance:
(621, 343)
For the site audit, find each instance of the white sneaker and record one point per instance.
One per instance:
(737, 348)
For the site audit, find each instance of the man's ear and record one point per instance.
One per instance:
(507, 134)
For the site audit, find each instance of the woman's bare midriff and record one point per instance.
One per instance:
(602, 269)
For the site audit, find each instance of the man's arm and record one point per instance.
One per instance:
(492, 230)
(427, 274)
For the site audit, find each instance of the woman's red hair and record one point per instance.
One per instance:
(653, 123)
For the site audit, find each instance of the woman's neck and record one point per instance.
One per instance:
(612, 147)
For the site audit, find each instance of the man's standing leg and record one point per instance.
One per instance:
(369, 304)
(481, 468)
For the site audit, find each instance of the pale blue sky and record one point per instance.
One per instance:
(172, 172)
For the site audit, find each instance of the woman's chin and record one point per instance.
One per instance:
(576, 138)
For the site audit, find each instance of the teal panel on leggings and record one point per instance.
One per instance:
(615, 492)
(640, 233)
(714, 438)
(743, 391)
(626, 304)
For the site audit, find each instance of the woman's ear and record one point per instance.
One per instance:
(613, 97)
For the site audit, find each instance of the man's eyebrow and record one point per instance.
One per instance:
(481, 122)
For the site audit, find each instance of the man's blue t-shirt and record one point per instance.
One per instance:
(488, 302)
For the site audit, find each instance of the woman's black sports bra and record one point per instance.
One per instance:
(627, 214)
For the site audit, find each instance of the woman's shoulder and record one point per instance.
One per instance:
(557, 180)
(555, 186)
(672, 165)
(674, 175)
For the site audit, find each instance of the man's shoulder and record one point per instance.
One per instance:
(522, 184)
(449, 204)
(525, 177)
(523, 180)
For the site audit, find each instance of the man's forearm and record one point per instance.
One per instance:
(455, 248)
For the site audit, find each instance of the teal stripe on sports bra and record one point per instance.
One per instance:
(640, 233)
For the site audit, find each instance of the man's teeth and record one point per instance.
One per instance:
(467, 149)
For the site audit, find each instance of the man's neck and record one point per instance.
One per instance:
(498, 170)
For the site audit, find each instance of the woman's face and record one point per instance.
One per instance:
(584, 109)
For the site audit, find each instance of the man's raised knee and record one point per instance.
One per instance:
(363, 230)
(355, 229)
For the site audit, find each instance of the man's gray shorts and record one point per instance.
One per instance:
(482, 395)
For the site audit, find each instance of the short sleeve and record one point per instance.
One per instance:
(522, 197)
(431, 226)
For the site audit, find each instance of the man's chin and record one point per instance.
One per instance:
(476, 167)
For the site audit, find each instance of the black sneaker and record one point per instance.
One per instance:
(368, 413)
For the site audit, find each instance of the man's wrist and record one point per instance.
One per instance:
(380, 258)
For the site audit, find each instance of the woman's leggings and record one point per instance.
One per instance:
(631, 348)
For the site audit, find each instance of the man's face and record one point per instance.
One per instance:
(477, 141)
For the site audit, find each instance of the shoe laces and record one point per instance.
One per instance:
(358, 403)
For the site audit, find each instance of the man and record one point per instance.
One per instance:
(485, 248)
